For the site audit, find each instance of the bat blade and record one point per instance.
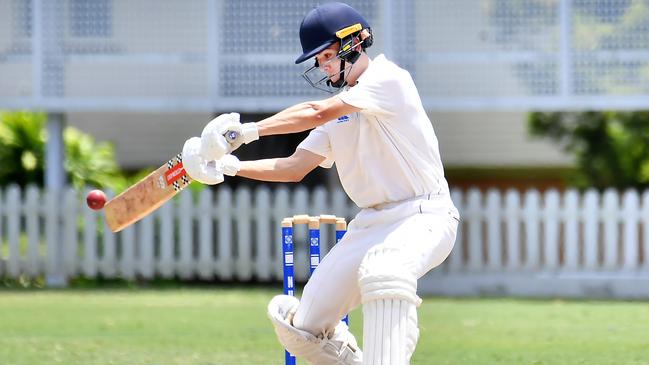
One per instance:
(147, 195)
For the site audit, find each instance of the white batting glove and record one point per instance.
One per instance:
(230, 165)
(213, 144)
(239, 134)
(197, 167)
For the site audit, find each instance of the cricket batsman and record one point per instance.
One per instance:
(374, 128)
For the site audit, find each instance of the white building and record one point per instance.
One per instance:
(148, 74)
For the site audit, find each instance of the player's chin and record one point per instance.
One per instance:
(334, 78)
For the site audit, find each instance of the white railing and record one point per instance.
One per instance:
(551, 244)
(222, 234)
(510, 243)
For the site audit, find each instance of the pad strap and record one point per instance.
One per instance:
(387, 273)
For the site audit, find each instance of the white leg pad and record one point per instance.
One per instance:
(390, 331)
(388, 283)
(337, 348)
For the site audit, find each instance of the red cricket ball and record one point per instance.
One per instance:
(96, 199)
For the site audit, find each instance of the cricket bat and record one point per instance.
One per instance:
(147, 195)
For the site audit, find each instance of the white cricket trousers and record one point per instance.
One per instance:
(425, 227)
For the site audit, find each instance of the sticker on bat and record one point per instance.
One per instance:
(174, 174)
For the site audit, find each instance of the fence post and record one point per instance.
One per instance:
(281, 208)
(590, 211)
(243, 211)
(512, 221)
(264, 234)
(224, 219)
(571, 229)
(32, 219)
(551, 218)
(70, 230)
(185, 217)
(644, 221)
(300, 206)
(108, 261)
(205, 212)
(89, 268)
(144, 245)
(339, 202)
(645, 230)
(166, 263)
(630, 212)
(128, 259)
(55, 271)
(610, 217)
(14, 207)
(493, 216)
(474, 217)
(532, 230)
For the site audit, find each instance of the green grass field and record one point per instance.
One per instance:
(222, 326)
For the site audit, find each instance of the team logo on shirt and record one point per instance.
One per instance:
(343, 119)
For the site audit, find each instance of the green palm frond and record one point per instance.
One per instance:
(22, 148)
(22, 152)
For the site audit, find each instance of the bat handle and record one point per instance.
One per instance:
(231, 135)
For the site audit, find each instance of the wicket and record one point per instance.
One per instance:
(314, 250)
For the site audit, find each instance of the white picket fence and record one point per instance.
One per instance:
(224, 235)
(553, 244)
(510, 243)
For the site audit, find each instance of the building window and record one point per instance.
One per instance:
(91, 18)
(22, 18)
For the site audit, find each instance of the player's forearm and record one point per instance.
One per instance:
(298, 118)
(272, 169)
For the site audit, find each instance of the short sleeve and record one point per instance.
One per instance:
(377, 94)
(318, 142)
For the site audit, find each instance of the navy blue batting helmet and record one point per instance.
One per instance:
(319, 27)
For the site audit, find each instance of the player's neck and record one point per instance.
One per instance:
(357, 70)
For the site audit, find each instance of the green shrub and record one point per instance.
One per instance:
(22, 150)
(611, 149)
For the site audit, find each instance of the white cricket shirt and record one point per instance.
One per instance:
(388, 151)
